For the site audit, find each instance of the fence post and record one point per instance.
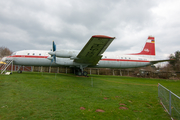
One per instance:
(120, 72)
(169, 102)
(158, 89)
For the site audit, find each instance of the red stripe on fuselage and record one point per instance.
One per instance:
(28, 56)
(106, 59)
(127, 60)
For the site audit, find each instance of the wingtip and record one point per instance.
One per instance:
(102, 36)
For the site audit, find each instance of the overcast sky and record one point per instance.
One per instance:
(35, 24)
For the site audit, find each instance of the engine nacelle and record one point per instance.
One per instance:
(64, 54)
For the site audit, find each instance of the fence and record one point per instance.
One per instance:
(99, 71)
(170, 102)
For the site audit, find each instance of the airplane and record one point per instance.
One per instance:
(92, 55)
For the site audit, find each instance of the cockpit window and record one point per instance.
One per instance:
(14, 53)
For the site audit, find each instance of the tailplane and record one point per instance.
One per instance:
(149, 48)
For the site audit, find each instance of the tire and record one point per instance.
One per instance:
(79, 73)
(19, 71)
(85, 73)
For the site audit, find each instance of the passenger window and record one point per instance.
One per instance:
(39, 54)
(33, 53)
(28, 53)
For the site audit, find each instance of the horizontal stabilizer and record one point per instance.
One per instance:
(157, 61)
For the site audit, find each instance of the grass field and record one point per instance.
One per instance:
(65, 96)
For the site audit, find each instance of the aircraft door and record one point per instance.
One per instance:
(118, 61)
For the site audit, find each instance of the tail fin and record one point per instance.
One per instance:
(149, 48)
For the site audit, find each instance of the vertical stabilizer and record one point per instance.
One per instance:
(149, 48)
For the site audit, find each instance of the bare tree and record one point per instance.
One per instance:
(4, 51)
(176, 62)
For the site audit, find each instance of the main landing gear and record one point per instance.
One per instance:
(79, 72)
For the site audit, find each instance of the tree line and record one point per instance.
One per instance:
(175, 61)
(4, 51)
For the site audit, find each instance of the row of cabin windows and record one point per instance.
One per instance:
(121, 57)
(125, 58)
(141, 59)
(34, 54)
(129, 58)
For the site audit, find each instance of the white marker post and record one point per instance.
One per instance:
(92, 81)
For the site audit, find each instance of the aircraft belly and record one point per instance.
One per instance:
(121, 64)
(108, 64)
(32, 61)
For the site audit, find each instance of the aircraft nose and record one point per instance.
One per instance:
(3, 59)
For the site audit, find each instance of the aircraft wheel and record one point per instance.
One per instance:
(19, 71)
(79, 73)
(85, 73)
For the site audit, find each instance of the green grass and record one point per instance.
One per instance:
(60, 96)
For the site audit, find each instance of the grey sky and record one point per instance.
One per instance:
(35, 24)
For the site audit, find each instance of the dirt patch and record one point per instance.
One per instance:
(99, 110)
(123, 108)
(122, 104)
(82, 108)
(105, 98)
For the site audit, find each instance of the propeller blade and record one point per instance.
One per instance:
(54, 46)
(52, 53)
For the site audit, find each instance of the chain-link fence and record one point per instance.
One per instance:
(170, 102)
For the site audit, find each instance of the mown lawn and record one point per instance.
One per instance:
(66, 96)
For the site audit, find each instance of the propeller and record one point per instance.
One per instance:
(52, 53)
(54, 49)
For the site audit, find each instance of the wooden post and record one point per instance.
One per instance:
(120, 72)
(58, 70)
(32, 68)
(41, 68)
(49, 69)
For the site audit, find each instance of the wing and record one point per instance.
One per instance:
(157, 61)
(93, 50)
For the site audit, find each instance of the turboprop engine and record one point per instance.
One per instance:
(64, 54)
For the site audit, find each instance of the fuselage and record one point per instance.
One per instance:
(42, 58)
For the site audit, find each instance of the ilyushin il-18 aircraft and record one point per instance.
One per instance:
(92, 55)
